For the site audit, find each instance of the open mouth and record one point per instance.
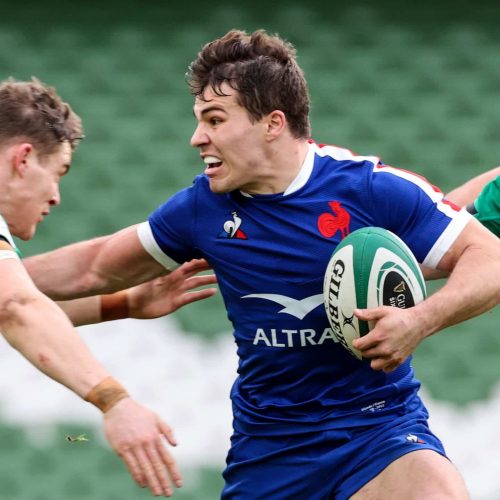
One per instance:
(212, 162)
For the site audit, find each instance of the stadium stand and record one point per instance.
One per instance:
(417, 86)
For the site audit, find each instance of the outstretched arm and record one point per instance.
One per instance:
(36, 327)
(152, 299)
(99, 266)
(468, 192)
(42, 333)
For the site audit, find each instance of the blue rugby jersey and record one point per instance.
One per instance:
(270, 253)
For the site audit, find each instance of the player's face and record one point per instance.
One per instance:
(37, 190)
(231, 145)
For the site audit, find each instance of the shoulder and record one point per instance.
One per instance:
(491, 191)
(340, 154)
(343, 170)
(488, 200)
(187, 195)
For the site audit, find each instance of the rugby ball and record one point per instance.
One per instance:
(369, 268)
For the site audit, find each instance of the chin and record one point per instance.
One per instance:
(28, 234)
(220, 187)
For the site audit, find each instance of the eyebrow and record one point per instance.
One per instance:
(210, 109)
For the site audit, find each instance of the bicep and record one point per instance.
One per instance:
(410, 207)
(432, 274)
(475, 240)
(124, 262)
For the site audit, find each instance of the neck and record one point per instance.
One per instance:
(283, 164)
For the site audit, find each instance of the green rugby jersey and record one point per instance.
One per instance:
(486, 207)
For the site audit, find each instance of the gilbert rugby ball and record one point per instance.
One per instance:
(369, 268)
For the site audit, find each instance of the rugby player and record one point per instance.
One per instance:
(310, 421)
(481, 197)
(38, 133)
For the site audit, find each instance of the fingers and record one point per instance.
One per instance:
(151, 465)
(373, 338)
(185, 277)
(364, 343)
(383, 364)
(194, 266)
(134, 468)
(372, 314)
(196, 281)
(172, 468)
(382, 356)
(139, 438)
(153, 469)
(189, 297)
(383, 345)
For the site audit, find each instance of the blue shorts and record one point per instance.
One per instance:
(331, 464)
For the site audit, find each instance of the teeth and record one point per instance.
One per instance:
(211, 159)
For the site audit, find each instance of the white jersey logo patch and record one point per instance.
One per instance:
(294, 307)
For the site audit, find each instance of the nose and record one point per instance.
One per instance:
(56, 197)
(199, 137)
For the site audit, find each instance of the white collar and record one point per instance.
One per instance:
(304, 172)
(301, 178)
(4, 231)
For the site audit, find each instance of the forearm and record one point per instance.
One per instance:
(99, 266)
(471, 289)
(67, 272)
(96, 309)
(468, 192)
(40, 331)
(83, 311)
(432, 274)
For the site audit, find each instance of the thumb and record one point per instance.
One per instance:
(371, 314)
(168, 433)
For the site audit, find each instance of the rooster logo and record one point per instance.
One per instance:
(232, 228)
(329, 224)
(411, 438)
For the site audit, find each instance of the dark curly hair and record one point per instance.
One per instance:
(262, 68)
(33, 110)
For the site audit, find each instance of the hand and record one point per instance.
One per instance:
(166, 294)
(137, 435)
(394, 335)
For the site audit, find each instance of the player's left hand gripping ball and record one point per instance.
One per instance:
(371, 267)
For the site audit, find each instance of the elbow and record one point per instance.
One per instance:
(13, 316)
(90, 283)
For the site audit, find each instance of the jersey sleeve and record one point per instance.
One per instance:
(8, 249)
(168, 233)
(416, 211)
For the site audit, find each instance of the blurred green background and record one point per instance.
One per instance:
(417, 83)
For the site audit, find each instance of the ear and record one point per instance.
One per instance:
(20, 156)
(276, 124)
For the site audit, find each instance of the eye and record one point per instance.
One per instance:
(215, 121)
